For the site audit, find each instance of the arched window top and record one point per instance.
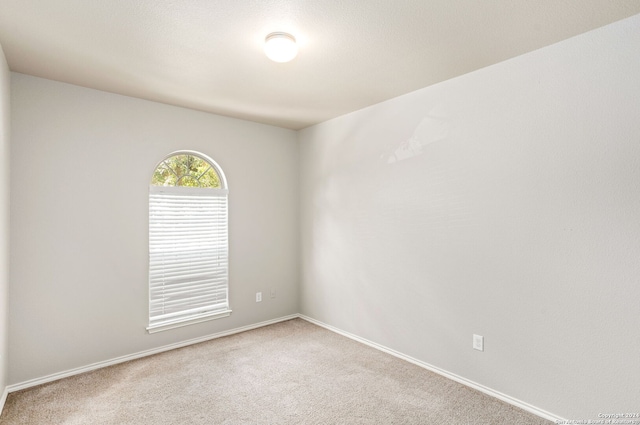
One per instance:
(189, 169)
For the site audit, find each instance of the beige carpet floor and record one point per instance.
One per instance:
(289, 373)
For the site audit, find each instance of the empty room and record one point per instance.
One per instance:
(319, 212)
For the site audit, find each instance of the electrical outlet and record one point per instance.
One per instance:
(273, 293)
(258, 297)
(478, 342)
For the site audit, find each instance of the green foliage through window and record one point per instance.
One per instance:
(185, 170)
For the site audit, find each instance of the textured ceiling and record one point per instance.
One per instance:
(207, 55)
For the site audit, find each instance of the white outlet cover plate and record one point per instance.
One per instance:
(258, 297)
(478, 342)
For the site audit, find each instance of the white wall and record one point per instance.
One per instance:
(79, 208)
(4, 219)
(506, 203)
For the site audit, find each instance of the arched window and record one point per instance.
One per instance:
(188, 242)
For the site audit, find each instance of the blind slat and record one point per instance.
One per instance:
(187, 314)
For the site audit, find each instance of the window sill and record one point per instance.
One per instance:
(172, 325)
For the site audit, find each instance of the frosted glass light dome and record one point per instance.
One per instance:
(280, 47)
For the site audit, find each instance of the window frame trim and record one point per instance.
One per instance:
(223, 188)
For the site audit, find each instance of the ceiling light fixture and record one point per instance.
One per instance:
(280, 47)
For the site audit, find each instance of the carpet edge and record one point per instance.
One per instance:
(479, 387)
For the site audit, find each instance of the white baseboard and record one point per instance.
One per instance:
(122, 359)
(54, 377)
(496, 394)
(3, 398)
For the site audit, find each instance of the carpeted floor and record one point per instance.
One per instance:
(289, 373)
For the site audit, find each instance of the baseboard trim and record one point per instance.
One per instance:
(99, 365)
(493, 393)
(3, 399)
(71, 372)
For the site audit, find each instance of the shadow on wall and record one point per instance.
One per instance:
(433, 128)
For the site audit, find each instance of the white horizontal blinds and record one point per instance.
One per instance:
(188, 253)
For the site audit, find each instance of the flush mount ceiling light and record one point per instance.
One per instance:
(280, 47)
